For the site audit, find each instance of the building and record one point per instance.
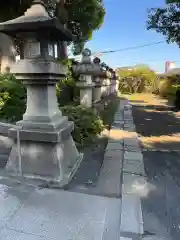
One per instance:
(169, 66)
(130, 68)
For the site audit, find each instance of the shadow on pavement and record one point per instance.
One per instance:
(157, 126)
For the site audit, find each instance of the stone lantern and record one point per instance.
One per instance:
(43, 147)
(99, 76)
(85, 69)
(117, 81)
(111, 81)
(106, 82)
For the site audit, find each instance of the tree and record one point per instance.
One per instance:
(166, 20)
(139, 79)
(81, 17)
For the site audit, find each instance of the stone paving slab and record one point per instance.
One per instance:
(131, 215)
(118, 118)
(125, 238)
(128, 115)
(111, 146)
(118, 121)
(135, 185)
(59, 214)
(133, 167)
(113, 155)
(133, 156)
(112, 225)
(110, 178)
(132, 148)
(117, 127)
(154, 238)
(131, 142)
(12, 197)
(116, 141)
(55, 214)
(8, 234)
(129, 129)
(128, 118)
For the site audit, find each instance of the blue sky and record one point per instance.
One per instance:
(125, 26)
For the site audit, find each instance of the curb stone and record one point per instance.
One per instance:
(133, 176)
(153, 238)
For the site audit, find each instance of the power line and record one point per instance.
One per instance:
(129, 48)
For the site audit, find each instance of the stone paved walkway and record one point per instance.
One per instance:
(28, 212)
(113, 210)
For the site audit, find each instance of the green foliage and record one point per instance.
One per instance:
(12, 98)
(166, 20)
(66, 87)
(139, 79)
(13, 102)
(81, 17)
(169, 86)
(87, 124)
(88, 15)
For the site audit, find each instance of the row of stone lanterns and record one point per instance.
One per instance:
(95, 80)
(43, 146)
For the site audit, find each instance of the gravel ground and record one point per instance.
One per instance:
(159, 130)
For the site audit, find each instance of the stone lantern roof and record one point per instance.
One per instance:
(86, 66)
(99, 71)
(35, 21)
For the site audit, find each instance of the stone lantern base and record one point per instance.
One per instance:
(48, 156)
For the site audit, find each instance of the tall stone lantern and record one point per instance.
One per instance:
(111, 81)
(43, 147)
(99, 76)
(103, 67)
(85, 70)
(115, 82)
(107, 81)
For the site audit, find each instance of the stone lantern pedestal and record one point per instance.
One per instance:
(85, 93)
(43, 146)
(47, 150)
(97, 92)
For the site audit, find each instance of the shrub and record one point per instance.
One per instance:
(141, 79)
(168, 86)
(12, 98)
(87, 124)
(66, 88)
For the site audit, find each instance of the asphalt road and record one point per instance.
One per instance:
(161, 208)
